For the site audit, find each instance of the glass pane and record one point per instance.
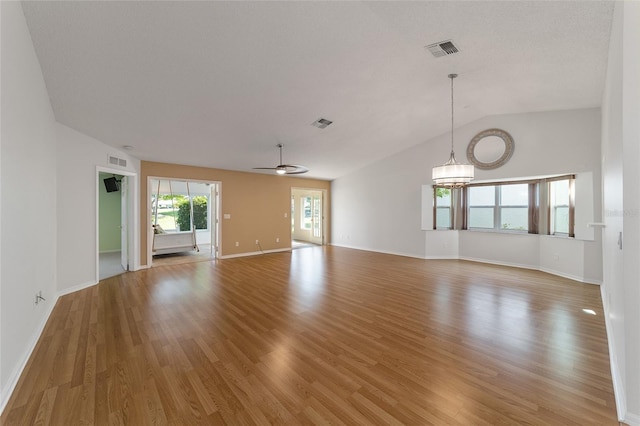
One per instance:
(305, 213)
(200, 211)
(514, 218)
(561, 220)
(559, 191)
(482, 196)
(514, 195)
(443, 197)
(316, 216)
(481, 217)
(443, 218)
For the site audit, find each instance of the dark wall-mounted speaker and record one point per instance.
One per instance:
(111, 184)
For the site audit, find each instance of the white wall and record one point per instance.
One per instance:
(28, 194)
(78, 157)
(621, 206)
(379, 207)
(48, 199)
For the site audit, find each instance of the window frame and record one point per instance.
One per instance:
(571, 206)
(538, 206)
(498, 207)
(435, 207)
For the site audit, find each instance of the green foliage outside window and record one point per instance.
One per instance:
(199, 213)
(442, 192)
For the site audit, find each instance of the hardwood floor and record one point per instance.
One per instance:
(324, 335)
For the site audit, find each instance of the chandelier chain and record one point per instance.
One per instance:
(452, 76)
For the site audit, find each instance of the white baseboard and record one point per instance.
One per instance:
(254, 253)
(532, 267)
(632, 419)
(17, 372)
(395, 253)
(618, 384)
(140, 267)
(75, 288)
(497, 262)
(440, 258)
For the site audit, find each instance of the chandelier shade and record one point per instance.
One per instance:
(452, 174)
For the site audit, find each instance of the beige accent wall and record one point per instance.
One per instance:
(257, 204)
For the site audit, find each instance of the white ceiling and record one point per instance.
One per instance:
(219, 84)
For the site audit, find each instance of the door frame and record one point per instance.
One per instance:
(324, 212)
(133, 251)
(215, 224)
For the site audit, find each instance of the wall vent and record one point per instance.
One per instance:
(443, 48)
(115, 161)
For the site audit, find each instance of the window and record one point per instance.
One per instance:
(499, 207)
(305, 213)
(561, 207)
(543, 205)
(172, 202)
(443, 208)
(482, 207)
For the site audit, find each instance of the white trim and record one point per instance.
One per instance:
(497, 262)
(325, 214)
(218, 231)
(255, 253)
(133, 231)
(7, 392)
(441, 258)
(17, 371)
(394, 253)
(109, 251)
(618, 384)
(473, 259)
(631, 419)
(76, 288)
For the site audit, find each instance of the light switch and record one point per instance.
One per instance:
(227, 216)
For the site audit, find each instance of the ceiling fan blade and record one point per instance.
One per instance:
(285, 169)
(295, 169)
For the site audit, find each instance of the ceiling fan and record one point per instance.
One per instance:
(285, 169)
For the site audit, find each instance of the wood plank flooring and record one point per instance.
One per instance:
(322, 335)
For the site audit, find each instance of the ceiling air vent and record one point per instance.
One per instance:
(115, 161)
(443, 48)
(321, 123)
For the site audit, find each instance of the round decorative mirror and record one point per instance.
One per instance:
(490, 149)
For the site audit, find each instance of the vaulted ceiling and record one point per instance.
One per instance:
(219, 84)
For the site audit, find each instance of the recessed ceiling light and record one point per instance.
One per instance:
(321, 123)
(127, 147)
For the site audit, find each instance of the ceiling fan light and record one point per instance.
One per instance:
(281, 170)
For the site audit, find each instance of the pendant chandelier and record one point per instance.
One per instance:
(452, 174)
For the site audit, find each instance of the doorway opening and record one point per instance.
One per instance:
(307, 217)
(184, 221)
(115, 244)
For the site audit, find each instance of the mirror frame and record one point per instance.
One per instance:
(506, 155)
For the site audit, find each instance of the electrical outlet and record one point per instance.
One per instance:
(237, 244)
(257, 242)
(277, 240)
